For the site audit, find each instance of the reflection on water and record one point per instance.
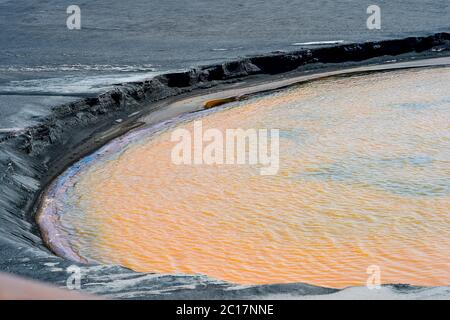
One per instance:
(364, 180)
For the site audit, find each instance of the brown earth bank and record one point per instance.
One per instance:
(31, 158)
(17, 288)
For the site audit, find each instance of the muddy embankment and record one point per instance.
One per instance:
(32, 157)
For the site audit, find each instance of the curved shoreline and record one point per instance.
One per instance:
(47, 215)
(41, 153)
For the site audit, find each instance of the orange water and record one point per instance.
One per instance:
(364, 180)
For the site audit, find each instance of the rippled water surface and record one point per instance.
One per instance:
(364, 180)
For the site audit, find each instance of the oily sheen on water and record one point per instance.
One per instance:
(364, 180)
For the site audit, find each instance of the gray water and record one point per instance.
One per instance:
(42, 63)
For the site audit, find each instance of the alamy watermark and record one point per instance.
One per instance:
(374, 20)
(73, 282)
(374, 279)
(232, 147)
(73, 21)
